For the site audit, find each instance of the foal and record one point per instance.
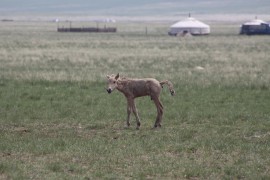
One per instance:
(133, 88)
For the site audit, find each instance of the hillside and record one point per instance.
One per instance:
(132, 8)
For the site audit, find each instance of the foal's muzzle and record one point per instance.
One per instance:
(109, 91)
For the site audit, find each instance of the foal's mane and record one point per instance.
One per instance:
(124, 78)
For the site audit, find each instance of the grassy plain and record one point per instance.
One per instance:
(58, 122)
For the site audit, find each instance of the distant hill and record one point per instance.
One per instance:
(133, 7)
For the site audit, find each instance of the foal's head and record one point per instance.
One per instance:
(112, 82)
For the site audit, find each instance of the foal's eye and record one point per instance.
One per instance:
(114, 82)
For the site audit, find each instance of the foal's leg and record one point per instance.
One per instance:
(129, 109)
(159, 112)
(134, 109)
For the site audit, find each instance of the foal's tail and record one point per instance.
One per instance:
(169, 84)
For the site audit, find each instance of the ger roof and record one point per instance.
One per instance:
(190, 23)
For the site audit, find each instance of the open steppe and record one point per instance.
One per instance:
(58, 122)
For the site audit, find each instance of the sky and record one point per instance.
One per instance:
(138, 8)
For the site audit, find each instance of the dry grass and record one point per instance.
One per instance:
(45, 54)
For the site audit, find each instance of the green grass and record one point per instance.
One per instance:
(58, 122)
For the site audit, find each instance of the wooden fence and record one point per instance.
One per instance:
(88, 29)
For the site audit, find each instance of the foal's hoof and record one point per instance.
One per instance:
(157, 126)
(138, 125)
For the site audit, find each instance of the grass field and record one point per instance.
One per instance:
(58, 122)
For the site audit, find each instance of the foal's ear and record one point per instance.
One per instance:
(117, 76)
(108, 76)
